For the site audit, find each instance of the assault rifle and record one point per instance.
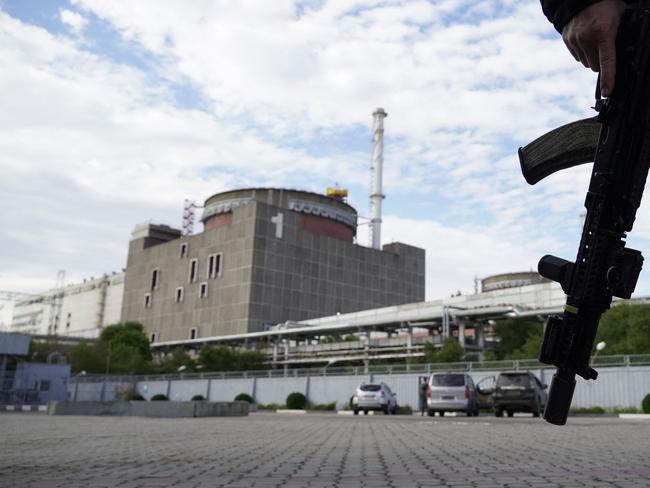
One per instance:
(618, 142)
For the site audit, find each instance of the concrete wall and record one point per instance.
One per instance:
(304, 275)
(615, 387)
(224, 310)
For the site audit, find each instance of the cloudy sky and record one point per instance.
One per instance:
(114, 112)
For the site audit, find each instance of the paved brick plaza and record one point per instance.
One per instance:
(269, 450)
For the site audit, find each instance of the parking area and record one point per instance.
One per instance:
(321, 450)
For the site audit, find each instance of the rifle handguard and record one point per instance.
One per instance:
(564, 147)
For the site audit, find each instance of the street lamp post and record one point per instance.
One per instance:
(108, 370)
(599, 347)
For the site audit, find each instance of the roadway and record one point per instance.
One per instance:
(322, 450)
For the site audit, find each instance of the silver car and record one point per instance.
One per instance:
(451, 392)
(374, 396)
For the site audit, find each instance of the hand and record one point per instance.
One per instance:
(591, 39)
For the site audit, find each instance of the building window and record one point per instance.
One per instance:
(184, 248)
(45, 385)
(214, 265)
(153, 337)
(179, 294)
(193, 333)
(155, 279)
(67, 322)
(147, 300)
(203, 293)
(193, 267)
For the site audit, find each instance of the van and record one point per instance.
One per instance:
(451, 392)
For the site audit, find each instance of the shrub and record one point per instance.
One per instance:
(623, 410)
(198, 398)
(296, 401)
(578, 410)
(129, 395)
(645, 404)
(244, 397)
(323, 406)
(159, 398)
(404, 410)
(270, 406)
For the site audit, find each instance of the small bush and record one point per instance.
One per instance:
(296, 401)
(623, 410)
(323, 406)
(270, 406)
(198, 398)
(645, 404)
(578, 410)
(404, 410)
(244, 397)
(159, 398)
(130, 395)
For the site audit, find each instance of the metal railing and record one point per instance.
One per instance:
(468, 366)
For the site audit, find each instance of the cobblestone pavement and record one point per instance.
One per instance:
(320, 450)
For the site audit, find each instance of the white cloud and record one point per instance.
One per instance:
(74, 20)
(456, 255)
(105, 144)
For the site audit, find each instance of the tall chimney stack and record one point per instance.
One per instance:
(376, 195)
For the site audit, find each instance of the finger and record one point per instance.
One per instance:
(581, 56)
(569, 42)
(592, 56)
(607, 62)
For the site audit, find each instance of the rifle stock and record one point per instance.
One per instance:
(604, 267)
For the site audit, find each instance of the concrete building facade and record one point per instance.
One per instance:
(76, 310)
(265, 256)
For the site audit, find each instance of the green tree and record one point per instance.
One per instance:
(90, 358)
(39, 351)
(224, 358)
(530, 348)
(450, 352)
(219, 358)
(127, 334)
(127, 359)
(429, 353)
(179, 357)
(625, 329)
(513, 335)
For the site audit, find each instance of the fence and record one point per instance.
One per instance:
(622, 382)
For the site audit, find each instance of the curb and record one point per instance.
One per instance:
(634, 416)
(23, 408)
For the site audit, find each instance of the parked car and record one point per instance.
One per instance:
(374, 396)
(519, 391)
(451, 392)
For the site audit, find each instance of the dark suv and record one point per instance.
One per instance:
(518, 392)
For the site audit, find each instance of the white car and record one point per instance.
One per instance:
(374, 396)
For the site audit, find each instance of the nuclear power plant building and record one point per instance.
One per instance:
(265, 256)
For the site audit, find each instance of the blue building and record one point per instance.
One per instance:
(28, 383)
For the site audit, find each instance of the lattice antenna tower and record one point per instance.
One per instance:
(189, 208)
